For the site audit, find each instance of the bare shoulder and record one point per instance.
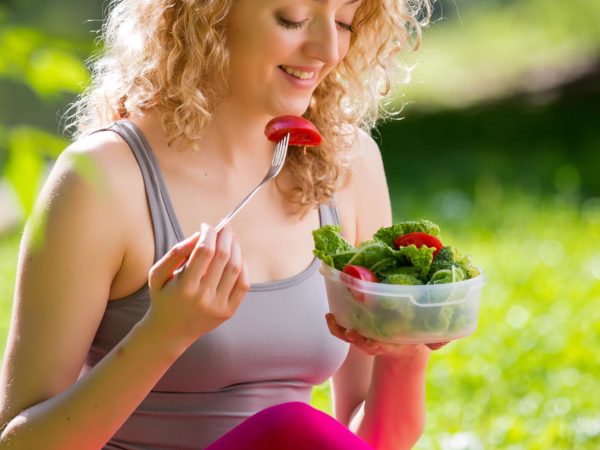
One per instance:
(105, 169)
(72, 247)
(364, 199)
(99, 158)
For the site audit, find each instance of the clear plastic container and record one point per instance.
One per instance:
(404, 314)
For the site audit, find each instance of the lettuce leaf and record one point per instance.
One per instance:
(388, 234)
(331, 247)
(420, 258)
(375, 256)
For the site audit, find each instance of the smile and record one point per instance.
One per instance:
(297, 73)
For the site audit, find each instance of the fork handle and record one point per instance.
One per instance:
(225, 220)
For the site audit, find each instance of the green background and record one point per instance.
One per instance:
(498, 143)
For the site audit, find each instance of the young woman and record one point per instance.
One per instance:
(111, 348)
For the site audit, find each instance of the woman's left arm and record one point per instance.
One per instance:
(379, 392)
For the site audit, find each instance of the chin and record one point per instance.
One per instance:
(291, 108)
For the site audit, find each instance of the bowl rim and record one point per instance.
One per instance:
(395, 290)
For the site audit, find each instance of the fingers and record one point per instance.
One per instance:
(370, 346)
(240, 289)
(201, 256)
(162, 271)
(220, 259)
(350, 336)
(231, 271)
(335, 328)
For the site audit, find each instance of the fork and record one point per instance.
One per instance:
(276, 165)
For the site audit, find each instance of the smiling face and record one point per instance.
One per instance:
(281, 49)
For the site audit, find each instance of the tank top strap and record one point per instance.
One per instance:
(164, 233)
(329, 213)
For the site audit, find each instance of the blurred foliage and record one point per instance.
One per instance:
(447, 160)
(47, 66)
(51, 69)
(499, 145)
(492, 49)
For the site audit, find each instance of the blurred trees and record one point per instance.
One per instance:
(499, 144)
(41, 71)
(494, 83)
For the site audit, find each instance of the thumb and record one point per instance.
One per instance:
(162, 271)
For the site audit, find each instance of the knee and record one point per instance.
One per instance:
(292, 408)
(292, 416)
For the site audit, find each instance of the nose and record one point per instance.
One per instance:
(323, 43)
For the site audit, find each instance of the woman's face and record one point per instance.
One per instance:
(281, 49)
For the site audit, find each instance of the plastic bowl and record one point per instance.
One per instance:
(404, 314)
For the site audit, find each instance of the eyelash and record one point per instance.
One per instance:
(295, 25)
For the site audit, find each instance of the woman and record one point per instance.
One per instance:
(109, 348)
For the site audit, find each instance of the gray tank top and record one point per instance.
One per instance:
(274, 349)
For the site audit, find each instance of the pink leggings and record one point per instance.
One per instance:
(290, 426)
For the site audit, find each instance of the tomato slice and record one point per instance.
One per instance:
(360, 272)
(302, 131)
(419, 239)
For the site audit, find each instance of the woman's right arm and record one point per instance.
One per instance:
(71, 249)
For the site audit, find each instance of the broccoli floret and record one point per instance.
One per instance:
(448, 257)
(444, 260)
(402, 278)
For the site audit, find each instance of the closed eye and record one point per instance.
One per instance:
(296, 25)
(287, 24)
(346, 26)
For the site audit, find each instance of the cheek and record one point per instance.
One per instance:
(258, 51)
(343, 47)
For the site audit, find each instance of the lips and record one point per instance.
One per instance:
(302, 73)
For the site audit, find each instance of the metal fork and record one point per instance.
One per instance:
(276, 165)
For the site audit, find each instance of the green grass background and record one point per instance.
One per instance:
(499, 144)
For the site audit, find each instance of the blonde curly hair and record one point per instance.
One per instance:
(172, 55)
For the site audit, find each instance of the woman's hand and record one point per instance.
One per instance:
(187, 304)
(373, 347)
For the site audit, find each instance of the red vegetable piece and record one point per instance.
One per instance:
(302, 131)
(419, 239)
(362, 273)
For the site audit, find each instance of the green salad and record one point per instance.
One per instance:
(407, 253)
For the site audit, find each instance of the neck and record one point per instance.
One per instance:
(232, 140)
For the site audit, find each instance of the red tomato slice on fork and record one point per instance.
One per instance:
(302, 131)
